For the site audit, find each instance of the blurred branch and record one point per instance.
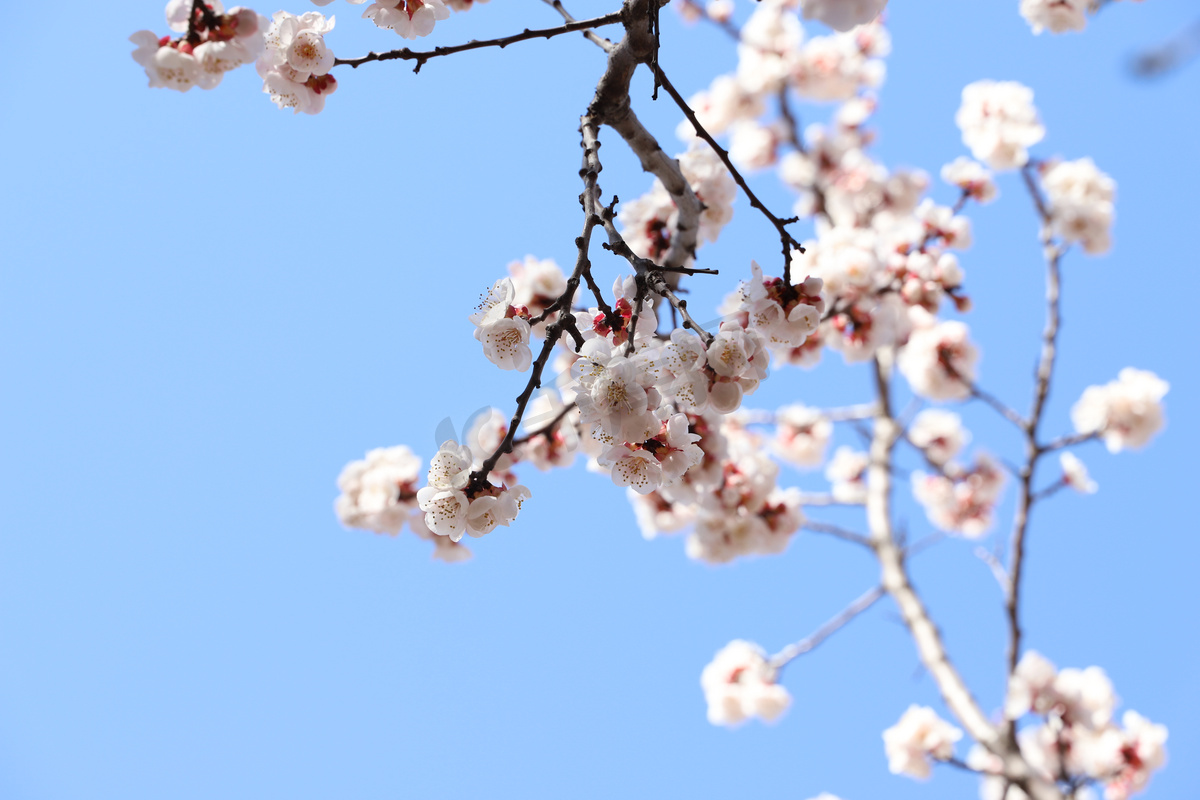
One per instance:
(1168, 56)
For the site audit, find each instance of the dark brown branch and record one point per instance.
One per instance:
(786, 239)
(421, 56)
(647, 270)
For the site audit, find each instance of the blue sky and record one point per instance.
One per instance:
(208, 306)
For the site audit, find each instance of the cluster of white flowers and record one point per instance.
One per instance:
(1080, 203)
(999, 123)
(408, 18)
(972, 177)
(939, 361)
(537, 285)
(1059, 16)
(295, 63)
(215, 43)
(801, 435)
(785, 316)
(739, 683)
(453, 506)
(1079, 737)
(847, 474)
(379, 494)
(961, 500)
(939, 434)
(1125, 412)
(729, 498)
(919, 735)
(503, 328)
(842, 15)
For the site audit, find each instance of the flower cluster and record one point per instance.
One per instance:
(408, 18)
(453, 505)
(213, 42)
(1059, 16)
(801, 435)
(503, 328)
(739, 683)
(961, 500)
(999, 123)
(919, 735)
(1078, 736)
(938, 434)
(842, 15)
(939, 361)
(295, 63)
(1080, 203)
(1125, 412)
(379, 494)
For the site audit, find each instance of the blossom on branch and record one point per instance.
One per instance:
(1126, 412)
(998, 122)
(739, 683)
(939, 361)
(205, 52)
(379, 493)
(919, 736)
(1080, 203)
(295, 63)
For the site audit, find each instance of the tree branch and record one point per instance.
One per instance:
(597, 39)
(421, 56)
(836, 623)
(786, 239)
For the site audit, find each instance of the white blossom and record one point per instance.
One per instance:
(847, 472)
(379, 493)
(739, 683)
(1126, 412)
(939, 361)
(842, 15)
(1080, 203)
(939, 434)
(961, 501)
(408, 18)
(998, 122)
(801, 435)
(972, 177)
(919, 736)
(1075, 474)
(295, 62)
(1057, 15)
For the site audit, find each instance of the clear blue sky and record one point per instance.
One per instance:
(208, 306)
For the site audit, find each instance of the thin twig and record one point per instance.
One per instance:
(786, 239)
(836, 531)
(601, 42)
(421, 56)
(836, 623)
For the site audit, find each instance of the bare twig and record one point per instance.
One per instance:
(836, 531)
(836, 623)
(595, 38)
(786, 239)
(421, 56)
